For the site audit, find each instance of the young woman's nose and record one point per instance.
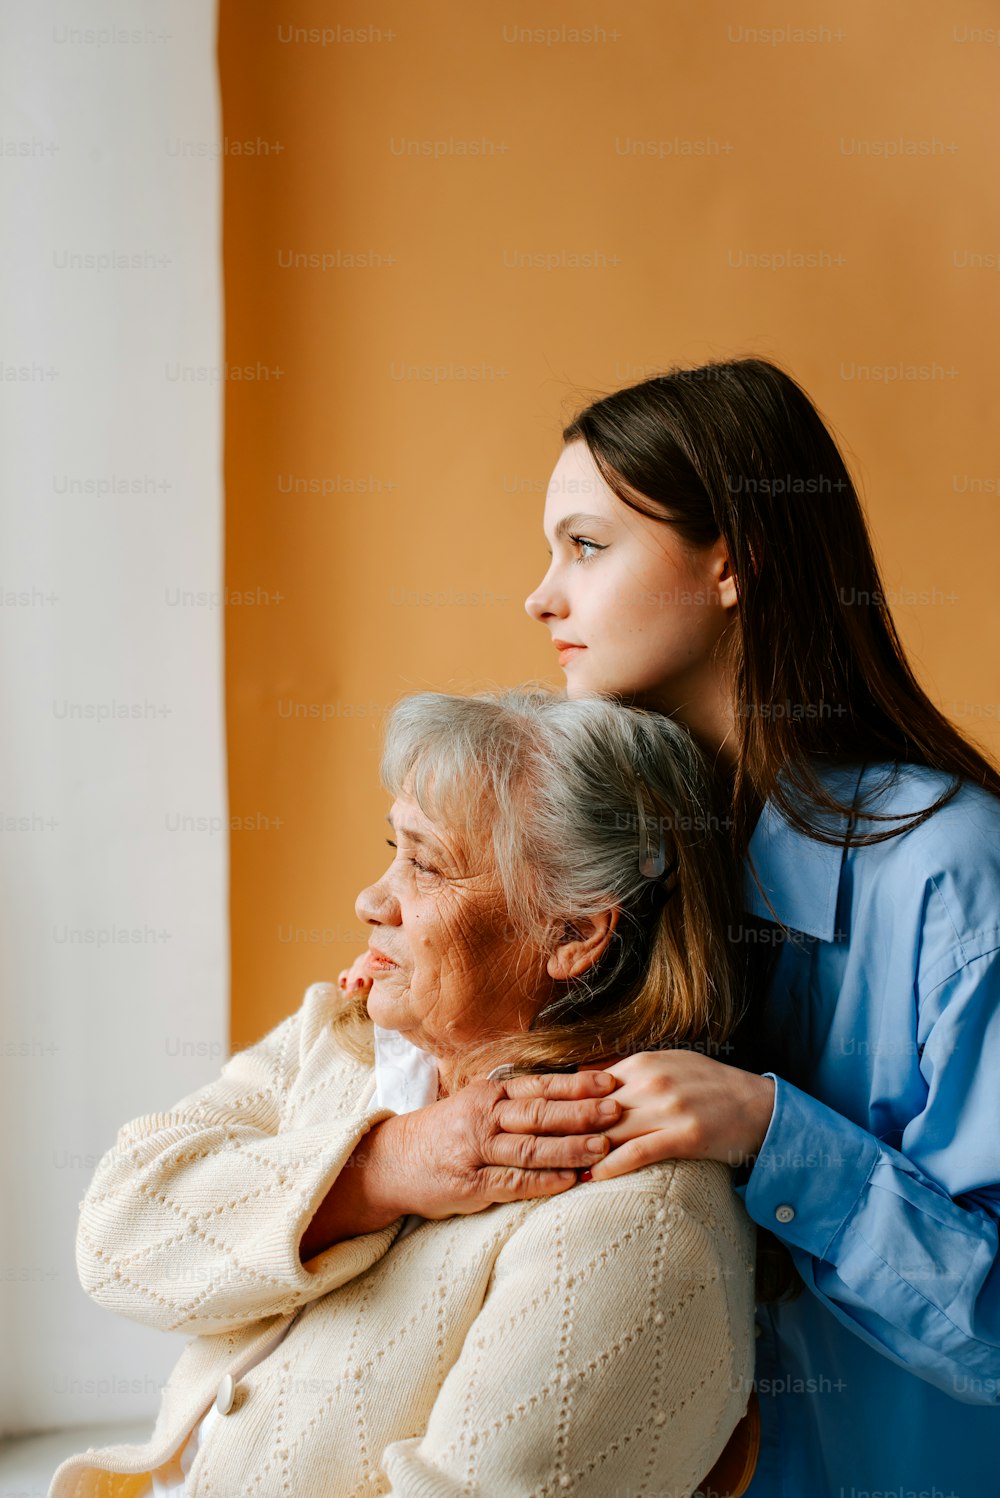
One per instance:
(544, 602)
(377, 905)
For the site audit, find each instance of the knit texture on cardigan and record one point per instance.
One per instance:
(597, 1343)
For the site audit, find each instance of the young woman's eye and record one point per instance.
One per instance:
(415, 862)
(593, 546)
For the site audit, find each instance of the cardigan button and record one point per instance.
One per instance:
(784, 1213)
(226, 1396)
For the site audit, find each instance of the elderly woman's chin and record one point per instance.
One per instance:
(392, 1005)
(387, 1001)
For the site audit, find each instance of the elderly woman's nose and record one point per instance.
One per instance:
(376, 904)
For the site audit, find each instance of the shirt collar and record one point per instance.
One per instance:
(800, 875)
(405, 1077)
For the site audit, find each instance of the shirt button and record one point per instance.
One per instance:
(226, 1395)
(784, 1213)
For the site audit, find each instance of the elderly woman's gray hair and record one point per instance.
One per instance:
(587, 805)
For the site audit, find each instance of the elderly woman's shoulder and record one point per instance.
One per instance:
(315, 1041)
(324, 1007)
(701, 1190)
(687, 1207)
(679, 1221)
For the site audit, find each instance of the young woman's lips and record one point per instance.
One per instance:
(567, 650)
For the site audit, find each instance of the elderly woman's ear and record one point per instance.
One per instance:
(582, 944)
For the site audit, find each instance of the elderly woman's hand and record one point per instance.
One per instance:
(489, 1142)
(502, 1141)
(675, 1104)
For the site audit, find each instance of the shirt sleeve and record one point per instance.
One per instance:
(613, 1352)
(902, 1245)
(193, 1218)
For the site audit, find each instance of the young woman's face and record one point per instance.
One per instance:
(641, 608)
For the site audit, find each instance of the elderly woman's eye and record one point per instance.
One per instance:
(415, 862)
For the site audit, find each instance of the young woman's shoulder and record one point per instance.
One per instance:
(966, 827)
(946, 870)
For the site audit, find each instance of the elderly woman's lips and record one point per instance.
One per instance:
(379, 963)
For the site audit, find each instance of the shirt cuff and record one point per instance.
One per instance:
(810, 1173)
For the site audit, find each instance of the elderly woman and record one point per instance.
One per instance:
(552, 902)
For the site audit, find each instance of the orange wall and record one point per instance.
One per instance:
(427, 162)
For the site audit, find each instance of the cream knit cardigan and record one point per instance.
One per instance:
(597, 1343)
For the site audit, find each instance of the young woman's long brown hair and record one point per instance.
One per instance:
(737, 449)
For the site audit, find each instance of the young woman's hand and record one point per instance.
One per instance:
(681, 1105)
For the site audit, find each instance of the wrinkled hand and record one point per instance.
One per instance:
(681, 1105)
(490, 1142)
(501, 1141)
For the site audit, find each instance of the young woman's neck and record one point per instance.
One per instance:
(705, 707)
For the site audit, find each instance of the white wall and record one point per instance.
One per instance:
(113, 926)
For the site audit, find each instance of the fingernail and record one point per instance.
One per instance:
(595, 1145)
(607, 1108)
(584, 1176)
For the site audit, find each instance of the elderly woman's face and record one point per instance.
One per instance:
(439, 916)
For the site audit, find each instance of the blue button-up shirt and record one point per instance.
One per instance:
(881, 1165)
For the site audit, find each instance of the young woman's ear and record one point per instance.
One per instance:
(582, 945)
(723, 574)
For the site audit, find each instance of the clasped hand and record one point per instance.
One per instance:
(534, 1135)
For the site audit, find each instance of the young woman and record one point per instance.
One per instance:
(710, 559)
(717, 566)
